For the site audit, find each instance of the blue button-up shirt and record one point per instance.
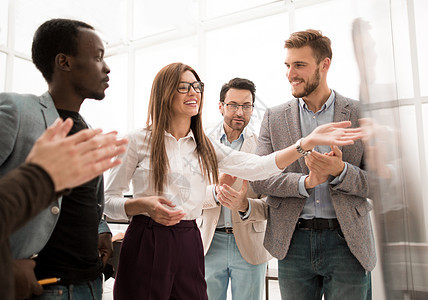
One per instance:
(318, 204)
(225, 219)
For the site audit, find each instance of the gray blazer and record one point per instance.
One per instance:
(23, 119)
(281, 128)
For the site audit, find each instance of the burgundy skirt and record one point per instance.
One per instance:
(161, 262)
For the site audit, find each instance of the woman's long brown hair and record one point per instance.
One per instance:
(159, 115)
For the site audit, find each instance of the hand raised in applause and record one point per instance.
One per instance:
(336, 133)
(75, 159)
(321, 166)
(229, 197)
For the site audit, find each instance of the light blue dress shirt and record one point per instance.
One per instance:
(318, 204)
(225, 219)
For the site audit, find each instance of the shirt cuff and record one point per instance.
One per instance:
(302, 189)
(339, 179)
(245, 215)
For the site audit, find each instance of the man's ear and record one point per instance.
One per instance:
(220, 107)
(326, 64)
(62, 62)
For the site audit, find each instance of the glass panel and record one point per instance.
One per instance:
(107, 16)
(2, 71)
(3, 21)
(411, 173)
(421, 21)
(27, 79)
(393, 154)
(425, 137)
(111, 112)
(402, 57)
(343, 61)
(148, 63)
(216, 8)
(249, 50)
(151, 17)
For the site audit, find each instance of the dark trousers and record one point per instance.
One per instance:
(161, 262)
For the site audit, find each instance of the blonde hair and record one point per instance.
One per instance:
(159, 115)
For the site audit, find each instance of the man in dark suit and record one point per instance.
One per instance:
(68, 237)
(318, 219)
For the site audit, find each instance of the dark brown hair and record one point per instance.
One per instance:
(240, 84)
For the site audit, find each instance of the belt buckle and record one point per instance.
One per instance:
(315, 224)
(228, 230)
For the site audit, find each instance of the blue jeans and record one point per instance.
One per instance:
(223, 262)
(319, 262)
(90, 290)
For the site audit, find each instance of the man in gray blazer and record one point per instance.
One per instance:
(235, 220)
(55, 163)
(67, 236)
(318, 215)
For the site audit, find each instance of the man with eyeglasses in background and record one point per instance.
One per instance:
(234, 223)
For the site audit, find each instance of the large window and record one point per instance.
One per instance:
(110, 113)
(218, 8)
(421, 21)
(26, 78)
(249, 50)
(3, 22)
(107, 16)
(150, 60)
(223, 39)
(343, 74)
(2, 70)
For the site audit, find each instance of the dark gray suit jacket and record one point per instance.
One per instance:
(281, 128)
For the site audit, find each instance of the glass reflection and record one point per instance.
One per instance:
(2, 71)
(394, 162)
(3, 22)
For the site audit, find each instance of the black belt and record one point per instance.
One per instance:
(225, 229)
(318, 224)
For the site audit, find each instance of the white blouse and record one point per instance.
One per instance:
(185, 185)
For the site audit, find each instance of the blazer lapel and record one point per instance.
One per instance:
(248, 144)
(49, 112)
(292, 121)
(341, 110)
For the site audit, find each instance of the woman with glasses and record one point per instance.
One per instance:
(170, 163)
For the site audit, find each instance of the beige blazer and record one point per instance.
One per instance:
(249, 234)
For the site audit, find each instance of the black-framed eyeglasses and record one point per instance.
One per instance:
(184, 87)
(246, 108)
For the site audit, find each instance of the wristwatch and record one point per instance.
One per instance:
(300, 149)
